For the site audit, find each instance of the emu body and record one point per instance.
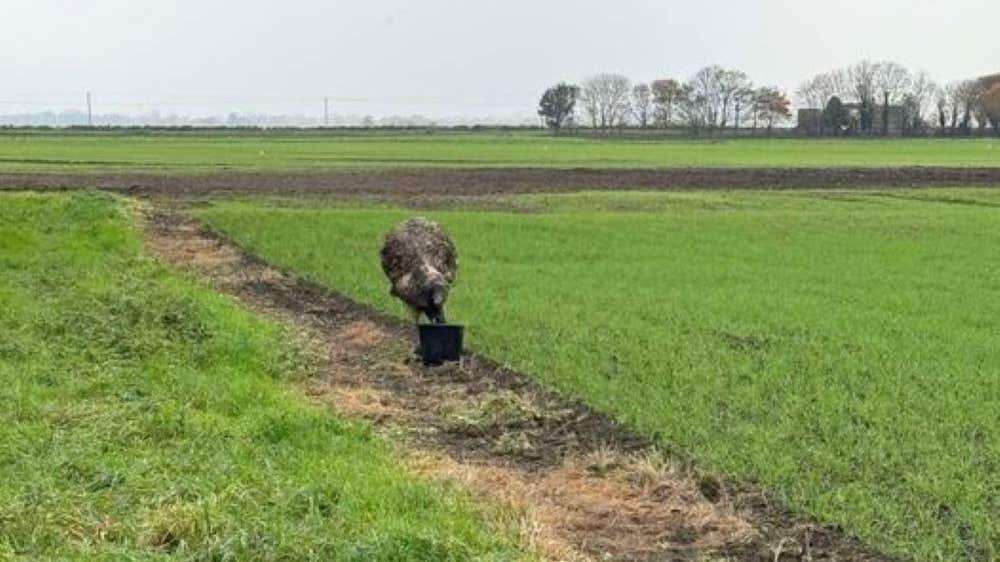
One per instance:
(421, 262)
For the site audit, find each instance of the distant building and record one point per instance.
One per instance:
(811, 121)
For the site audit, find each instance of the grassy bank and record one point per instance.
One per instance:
(842, 349)
(145, 417)
(218, 151)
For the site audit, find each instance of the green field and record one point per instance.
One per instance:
(145, 417)
(841, 349)
(215, 151)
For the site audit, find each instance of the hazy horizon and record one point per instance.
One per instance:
(447, 58)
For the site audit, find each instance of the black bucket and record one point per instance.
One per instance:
(440, 343)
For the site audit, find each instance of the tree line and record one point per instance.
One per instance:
(851, 99)
(872, 87)
(714, 98)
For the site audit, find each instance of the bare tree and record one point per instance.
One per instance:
(667, 96)
(919, 100)
(732, 84)
(953, 95)
(809, 93)
(837, 83)
(892, 81)
(969, 93)
(706, 94)
(694, 109)
(817, 91)
(981, 115)
(863, 81)
(642, 104)
(758, 106)
(592, 107)
(741, 99)
(941, 104)
(605, 98)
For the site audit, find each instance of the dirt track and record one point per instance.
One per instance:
(411, 183)
(588, 488)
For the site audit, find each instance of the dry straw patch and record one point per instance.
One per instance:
(600, 506)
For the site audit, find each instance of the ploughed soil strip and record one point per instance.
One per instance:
(404, 183)
(584, 488)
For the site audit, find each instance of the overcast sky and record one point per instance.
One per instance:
(449, 57)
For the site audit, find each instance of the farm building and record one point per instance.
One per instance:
(811, 122)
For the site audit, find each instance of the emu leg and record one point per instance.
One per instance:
(415, 314)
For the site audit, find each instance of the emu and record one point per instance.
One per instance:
(421, 262)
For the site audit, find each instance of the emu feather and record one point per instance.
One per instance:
(421, 262)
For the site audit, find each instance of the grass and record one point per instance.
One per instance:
(217, 151)
(145, 417)
(840, 349)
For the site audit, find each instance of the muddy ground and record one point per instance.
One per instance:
(584, 488)
(416, 183)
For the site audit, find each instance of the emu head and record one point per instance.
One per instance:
(435, 296)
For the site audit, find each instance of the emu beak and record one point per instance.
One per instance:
(439, 294)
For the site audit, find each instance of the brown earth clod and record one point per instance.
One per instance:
(587, 488)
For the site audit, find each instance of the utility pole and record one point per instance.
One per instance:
(90, 111)
(326, 112)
